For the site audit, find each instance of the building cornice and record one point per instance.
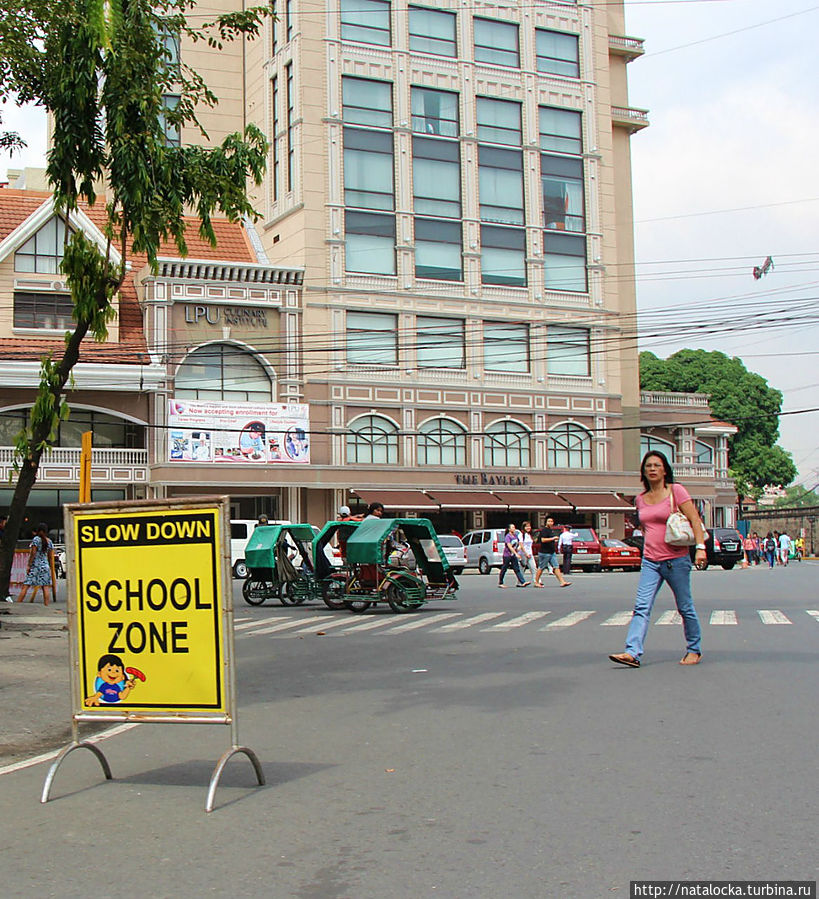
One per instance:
(113, 376)
(169, 268)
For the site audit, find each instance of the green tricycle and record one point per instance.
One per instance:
(398, 561)
(280, 565)
(329, 556)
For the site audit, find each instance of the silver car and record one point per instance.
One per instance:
(454, 551)
(484, 549)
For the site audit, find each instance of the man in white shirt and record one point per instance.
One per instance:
(564, 545)
(784, 548)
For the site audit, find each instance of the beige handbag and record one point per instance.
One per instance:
(678, 530)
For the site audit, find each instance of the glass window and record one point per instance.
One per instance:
(499, 121)
(367, 102)
(436, 177)
(505, 347)
(560, 130)
(109, 431)
(569, 446)
(372, 440)
(506, 445)
(648, 443)
(49, 311)
(171, 130)
(438, 250)
(440, 342)
(372, 338)
(290, 100)
(441, 442)
(703, 452)
(43, 251)
(223, 372)
(370, 243)
(500, 185)
(12, 421)
(368, 169)
(366, 21)
(557, 53)
(274, 137)
(562, 184)
(503, 256)
(496, 43)
(432, 31)
(565, 262)
(434, 112)
(568, 351)
(168, 47)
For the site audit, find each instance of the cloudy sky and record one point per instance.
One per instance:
(724, 177)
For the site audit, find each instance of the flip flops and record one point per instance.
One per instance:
(691, 658)
(623, 658)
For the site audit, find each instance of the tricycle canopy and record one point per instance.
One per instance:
(369, 544)
(261, 550)
(324, 567)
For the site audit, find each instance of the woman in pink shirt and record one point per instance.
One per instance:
(662, 561)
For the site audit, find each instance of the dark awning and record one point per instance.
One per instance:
(396, 500)
(544, 501)
(470, 501)
(597, 502)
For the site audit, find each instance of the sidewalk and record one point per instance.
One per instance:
(35, 708)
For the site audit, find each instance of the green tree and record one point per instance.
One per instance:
(798, 497)
(101, 68)
(738, 396)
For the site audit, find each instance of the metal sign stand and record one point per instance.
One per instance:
(229, 656)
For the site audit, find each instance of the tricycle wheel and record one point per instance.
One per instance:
(357, 605)
(397, 601)
(290, 597)
(331, 591)
(255, 592)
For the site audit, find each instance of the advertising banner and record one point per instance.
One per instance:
(239, 433)
(150, 613)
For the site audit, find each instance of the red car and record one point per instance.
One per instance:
(616, 554)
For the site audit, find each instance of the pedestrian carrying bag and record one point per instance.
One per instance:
(678, 530)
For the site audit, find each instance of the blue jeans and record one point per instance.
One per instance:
(677, 573)
(513, 563)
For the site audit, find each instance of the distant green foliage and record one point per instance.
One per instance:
(798, 497)
(738, 396)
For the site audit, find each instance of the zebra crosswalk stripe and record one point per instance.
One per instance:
(330, 622)
(381, 620)
(287, 625)
(814, 613)
(424, 622)
(724, 616)
(526, 618)
(618, 619)
(470, 622)
(568, 620)
(773, 616)
(670, 617)
(255, 622)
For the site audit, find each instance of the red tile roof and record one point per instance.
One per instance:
(232, 245)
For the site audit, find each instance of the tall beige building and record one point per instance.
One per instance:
(455, 182)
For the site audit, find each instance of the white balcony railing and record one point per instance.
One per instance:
(61, 466)
(695, 470)
(657, 398)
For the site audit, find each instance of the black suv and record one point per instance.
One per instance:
(722, 547)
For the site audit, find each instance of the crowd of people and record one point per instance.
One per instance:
(774, 548)
(537, 553)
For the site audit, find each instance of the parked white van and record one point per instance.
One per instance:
(240, 531)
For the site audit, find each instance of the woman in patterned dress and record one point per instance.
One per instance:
(40, 571)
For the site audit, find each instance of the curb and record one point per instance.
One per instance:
(11, 621)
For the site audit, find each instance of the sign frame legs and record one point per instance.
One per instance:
(75, 743)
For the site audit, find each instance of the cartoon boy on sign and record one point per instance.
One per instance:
(114, 681)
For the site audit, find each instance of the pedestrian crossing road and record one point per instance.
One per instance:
(293, 623)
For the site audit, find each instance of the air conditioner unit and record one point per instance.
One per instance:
(59, 285)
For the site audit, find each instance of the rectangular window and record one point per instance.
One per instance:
(557, 53)
(366, 21)
(503, 256)
(438, 250)
(499, 122)
(560, 130)
(436, 177)
(440, 342)
(434, 112)
(568, 351)
(432, 31)
(505, 347)
(49, 311)
(370, 243)
(496, 43)
(367, 102)
(171, 129)
(288, 20)
(274, 28)
(368, 169)
(500, 185)
(372, 338)
(169, 48)
(291, 100)
(274, 139)
(565, 262)
(562, 183)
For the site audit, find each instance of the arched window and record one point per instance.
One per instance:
(506, 445)
(372, 440)
(110, 431)
(704, 454)
(222, 371)
(569, 446)
(649, 443)
(441, 442)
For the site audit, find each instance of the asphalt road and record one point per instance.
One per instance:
(495, 752)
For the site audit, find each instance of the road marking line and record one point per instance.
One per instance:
(618, 619)
(517, 622)
(568, 620)
(724, 616)
(256, 622)
(288, 624)
(236, 620)
(773, 616)
(814, 613)
(670, 617)
(423, 622)
(382, 620)
(469, 622)
(331, 622)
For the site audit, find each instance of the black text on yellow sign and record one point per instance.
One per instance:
(150, 616)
